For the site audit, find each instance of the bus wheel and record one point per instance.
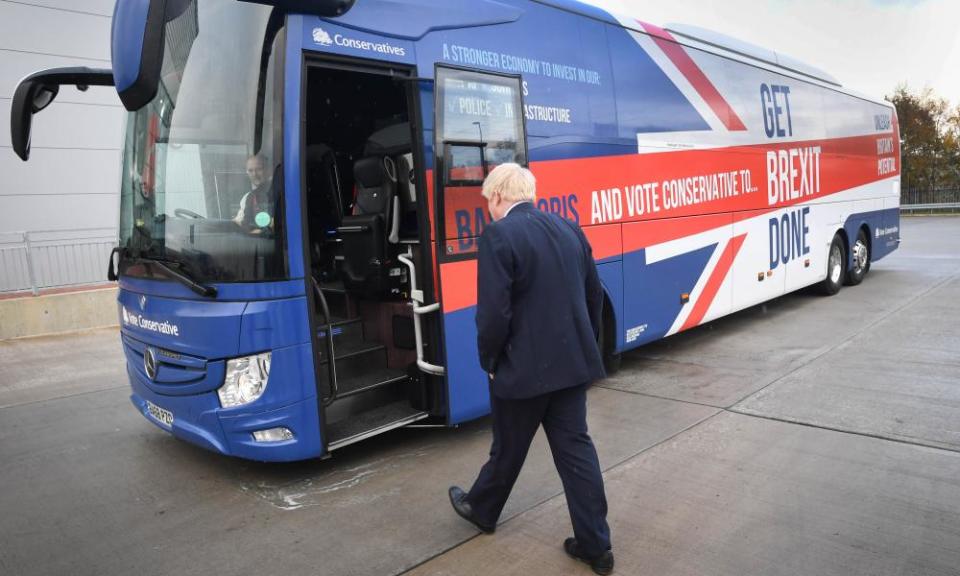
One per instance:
(861, 260)
(611, 362)
(607, 343)
(835, 267)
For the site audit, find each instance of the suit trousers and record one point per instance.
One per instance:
(563, 415)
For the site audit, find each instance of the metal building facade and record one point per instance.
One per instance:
(58, 214)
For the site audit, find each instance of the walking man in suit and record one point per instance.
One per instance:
(539, 303)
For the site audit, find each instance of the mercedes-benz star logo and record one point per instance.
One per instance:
(150, 363)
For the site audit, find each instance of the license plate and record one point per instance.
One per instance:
(162, 416)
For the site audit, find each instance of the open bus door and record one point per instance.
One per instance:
(479, 124)
(368, 247)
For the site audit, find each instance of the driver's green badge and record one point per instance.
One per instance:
(262, 219)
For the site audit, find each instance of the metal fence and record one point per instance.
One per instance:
(945, 196)
(944, 201)
(53, 258)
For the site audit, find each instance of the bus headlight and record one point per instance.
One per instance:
(245, 380)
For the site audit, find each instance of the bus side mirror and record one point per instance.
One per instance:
(45, 93)
(29, 98)
(37, 91)
(322, 8)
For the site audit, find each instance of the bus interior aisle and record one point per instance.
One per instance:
(361, 216)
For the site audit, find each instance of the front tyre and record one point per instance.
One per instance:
(835, 267)
(611, 362)
(607, 344)
(860, 264)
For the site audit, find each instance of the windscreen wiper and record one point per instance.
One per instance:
(176, 270)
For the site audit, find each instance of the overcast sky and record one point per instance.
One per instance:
(869, 45)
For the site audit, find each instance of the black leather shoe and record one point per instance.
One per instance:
(602, 564)
(458, 498)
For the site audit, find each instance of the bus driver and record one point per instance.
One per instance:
(256, 206)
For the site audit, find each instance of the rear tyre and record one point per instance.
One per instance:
(836, 266)
(860, 261)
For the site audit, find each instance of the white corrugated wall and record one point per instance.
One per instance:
(67, 196)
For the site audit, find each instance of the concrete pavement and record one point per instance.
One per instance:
(810, 435)
(740, 495)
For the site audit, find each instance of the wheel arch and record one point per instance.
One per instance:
(866, 232)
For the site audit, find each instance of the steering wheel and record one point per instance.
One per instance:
(184, 213)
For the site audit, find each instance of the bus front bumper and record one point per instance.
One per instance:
(200, 420)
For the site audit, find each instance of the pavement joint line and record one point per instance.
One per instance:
(844, 431)
(432, 557)
(659, 397)
(67, 397)
(547, 499)
(653, 358)
(732, 410)
(850, 338)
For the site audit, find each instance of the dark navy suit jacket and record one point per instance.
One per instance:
(539, 302)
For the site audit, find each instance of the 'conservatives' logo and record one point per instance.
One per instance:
(321, 37)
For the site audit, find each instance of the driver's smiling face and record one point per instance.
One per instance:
(255, 171)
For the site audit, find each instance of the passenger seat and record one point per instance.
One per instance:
(366, 232)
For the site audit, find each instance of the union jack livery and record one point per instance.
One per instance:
(301, 208)
(710, 175)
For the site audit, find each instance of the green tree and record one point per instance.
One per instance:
(930, 139)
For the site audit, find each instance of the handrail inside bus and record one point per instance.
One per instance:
(328, 327)
(416, 303)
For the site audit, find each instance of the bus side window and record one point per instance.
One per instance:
(482, 111)
(480, 125)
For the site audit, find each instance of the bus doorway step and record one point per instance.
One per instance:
(380, 378)
(371, 423)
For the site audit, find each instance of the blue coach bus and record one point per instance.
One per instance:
(300, 195)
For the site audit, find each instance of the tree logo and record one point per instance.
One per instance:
(321, 37)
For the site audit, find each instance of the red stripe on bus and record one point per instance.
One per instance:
(717, 277)
(695, 76)
(605, 240)
(459, 281)
(844, 163)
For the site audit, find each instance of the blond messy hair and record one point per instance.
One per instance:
(512, 181)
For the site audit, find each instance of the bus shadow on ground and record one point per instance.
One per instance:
(726, 360)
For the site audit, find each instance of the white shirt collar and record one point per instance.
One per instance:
(514, 206)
